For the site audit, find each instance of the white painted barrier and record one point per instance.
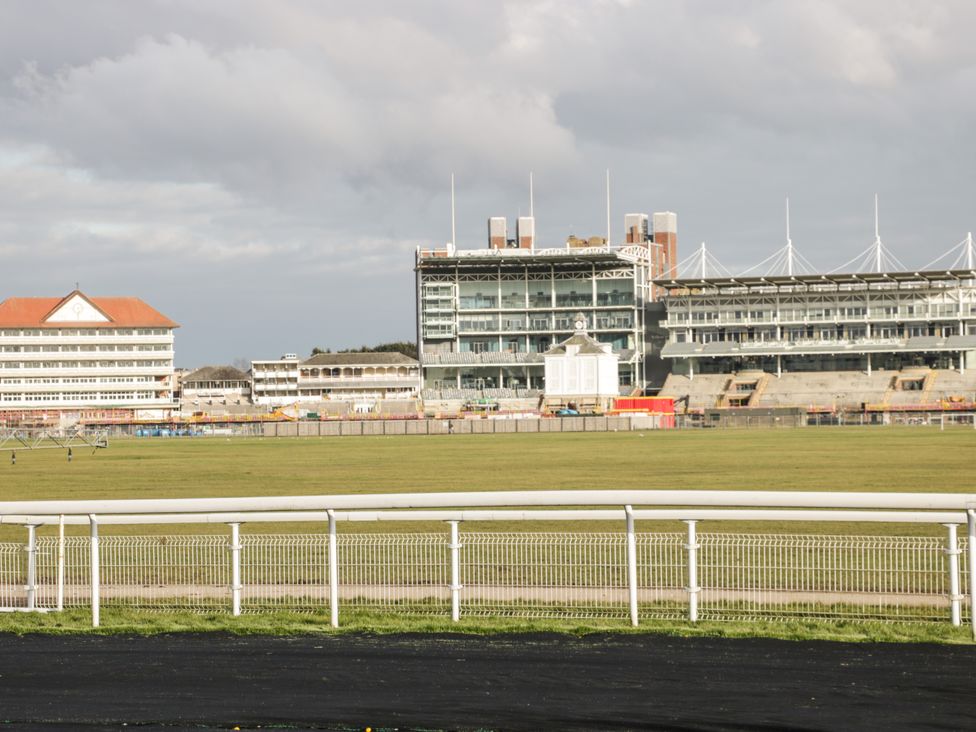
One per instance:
(690, 507)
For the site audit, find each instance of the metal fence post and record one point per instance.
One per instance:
(61, 562)
(31, 550)
(692, 588)
(971, 546)
(455, 547)
(952, 551)
(333, 571)
(235, 568)
(95, 580)
(631, 564)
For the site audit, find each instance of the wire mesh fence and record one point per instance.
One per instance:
(877, 578)
(13, 575)
(544, 575)
(541, 575)
(403, 572)
(283, 571)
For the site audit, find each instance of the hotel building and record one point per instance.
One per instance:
(84, 358)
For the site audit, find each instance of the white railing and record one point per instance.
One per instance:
(625, 574)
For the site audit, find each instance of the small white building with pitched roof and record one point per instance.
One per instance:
(581, 367)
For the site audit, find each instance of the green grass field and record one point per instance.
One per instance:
(842, 459)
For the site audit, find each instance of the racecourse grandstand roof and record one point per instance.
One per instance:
(77, 309)
(851, 278)
(361, 358)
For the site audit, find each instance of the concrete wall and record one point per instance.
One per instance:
(356, 428)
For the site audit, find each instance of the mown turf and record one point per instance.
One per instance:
(843, 459)
(138, 622)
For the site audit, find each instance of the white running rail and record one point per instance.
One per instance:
(626, 573)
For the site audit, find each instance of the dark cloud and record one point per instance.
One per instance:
(262, 171)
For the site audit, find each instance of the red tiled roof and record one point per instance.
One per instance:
(127, 312)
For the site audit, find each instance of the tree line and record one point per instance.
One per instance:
(405, 347)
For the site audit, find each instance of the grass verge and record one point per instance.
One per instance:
(127, 621)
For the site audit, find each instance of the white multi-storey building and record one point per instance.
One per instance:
(335, 376)
(86, 357)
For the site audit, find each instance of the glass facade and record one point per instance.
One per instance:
(498, 313)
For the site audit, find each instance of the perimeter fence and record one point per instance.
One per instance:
(455, 573)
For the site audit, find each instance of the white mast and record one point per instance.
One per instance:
(704, 259)
(608, 206)
(969, 250)
(789, 242)
(877, 238)
(453, 232)
(531, 197)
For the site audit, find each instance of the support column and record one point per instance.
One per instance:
(31, 550)
(693, 589)
(779, 365)
(691, 369)
(235, 568)
(95, 580)
(952, 551)
(971, 547)
(61, 562)
(333, 571)
(631, 565)
(455, 547)
(869, 364)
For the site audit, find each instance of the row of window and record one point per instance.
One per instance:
(534, 345)
(68, 396)
(833, 333)
(542, 300)
(822, 313)
(84, 380)
(67, 332)
(485, 323)
(83, 364)
(87, 348)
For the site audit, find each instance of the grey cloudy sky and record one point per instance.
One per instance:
(261, 171)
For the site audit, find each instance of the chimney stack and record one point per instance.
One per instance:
(635, 228)
(525, 232)
(497, 232)
(664, 255)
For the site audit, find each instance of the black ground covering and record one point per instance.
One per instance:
(519, 682)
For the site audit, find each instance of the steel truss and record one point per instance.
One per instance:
(13, 439)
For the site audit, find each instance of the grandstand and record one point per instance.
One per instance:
(485, 316)
(883, 341)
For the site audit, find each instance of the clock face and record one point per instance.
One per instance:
(580, 324)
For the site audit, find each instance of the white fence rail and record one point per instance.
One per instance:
(538, 575)
(624, 574)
